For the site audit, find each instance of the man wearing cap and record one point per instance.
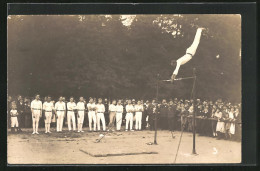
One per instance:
(81, 113)
(36, 109)
(119, 113)
(92, 114)
(71, 107)
(48, 108)
(60, 108)
(112, 113)
(100, 115)
(129, 115)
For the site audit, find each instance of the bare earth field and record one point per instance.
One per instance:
(81, 148)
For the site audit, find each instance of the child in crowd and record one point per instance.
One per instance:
(14, 120)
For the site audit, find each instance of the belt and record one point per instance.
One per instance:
(70, 110)
(48, 111)
(100, 112)
(190, 54)
(112, 111)
(60, 110)
(36, 109)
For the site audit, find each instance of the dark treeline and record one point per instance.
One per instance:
(98, 56)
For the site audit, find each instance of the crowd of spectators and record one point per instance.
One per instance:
(216, 119)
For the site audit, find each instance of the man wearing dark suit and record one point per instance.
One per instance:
(172, 116)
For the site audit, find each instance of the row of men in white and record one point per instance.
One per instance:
(95, 114)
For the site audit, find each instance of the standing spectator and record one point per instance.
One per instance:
(171, 116)
(106, 103)
(9, 106)
(14, 121)
(220, 124)
(163, 124)
(27, 114)
(20, 109)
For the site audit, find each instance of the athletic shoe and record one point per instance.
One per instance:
(49, 132)
(46, 132)
(78, 131)
(126, 130)
(33, 133)
(37, 133)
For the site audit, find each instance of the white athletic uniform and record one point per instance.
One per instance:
(81, 112)
(100, 116)
(129, 116)
(119, 113)
(14, 120)
(189, 52)
(92, 116)
(36, 106)
(71, 115)
(138, 116)
(48, 107)
(60, 108)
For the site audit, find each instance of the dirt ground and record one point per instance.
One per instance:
(81, 148)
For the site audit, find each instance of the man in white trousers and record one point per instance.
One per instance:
(36, 109)
(129, 115)
(48, 108)
(71, 107)
(92, 114)
(100, 115)
(81, 113)
(60, 108)
(119, 113)
(138, 115)
(190, 52)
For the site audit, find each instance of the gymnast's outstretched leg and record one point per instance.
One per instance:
(189, 53)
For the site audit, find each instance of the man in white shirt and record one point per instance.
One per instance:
(119, 113)
(60, 108)
(138, 114)
(190, 52)
(129, 115)
(100, 115)
(112, 113)
(71, 107)
(92, 114)
(48, 109)
(81, 113)
(36, 109)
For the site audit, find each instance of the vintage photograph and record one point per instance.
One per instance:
(124, 89)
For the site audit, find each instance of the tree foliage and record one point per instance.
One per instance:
(97, 55)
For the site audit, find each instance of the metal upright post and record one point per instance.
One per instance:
(155, 119)
(194, 113)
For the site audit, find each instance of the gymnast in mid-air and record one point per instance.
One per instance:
(190, 52)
